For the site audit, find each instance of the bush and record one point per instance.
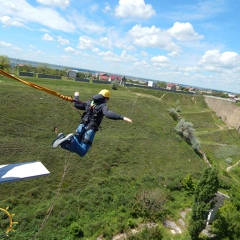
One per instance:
(189, 184)
(185, 130)
(178, 109)
(174, 114)
(75, 230)
(228, 161)
(114, 85)
(149, 204)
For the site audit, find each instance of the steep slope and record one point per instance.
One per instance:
(227, 111)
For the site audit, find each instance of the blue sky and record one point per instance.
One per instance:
(193, 42)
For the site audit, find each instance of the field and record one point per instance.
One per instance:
(106, 192)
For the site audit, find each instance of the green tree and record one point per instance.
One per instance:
(227, 224)
(235, 196)
(161, 84)
(189, 184)
(205, 191)
(4, 63)
(43, 68)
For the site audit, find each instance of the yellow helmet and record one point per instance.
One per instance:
(105, 93)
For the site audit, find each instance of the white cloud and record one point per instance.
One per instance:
(123, 44)
(44, 30)
(143, 53)
(173, 54)
(134, 9)
(112, 57)
(10, 46)
(47, 37)
(107, 8)
(8, 21)
(125, 57)
(184, 32)
(70, 50)
(86, 43)
(63, 41)
(55, 3)
(105, 42)
(39, 52)
(214, 60)
(142, 64)
(160, 61)
(87, 25)
(152, 37)
(23, 13)
(109, 56)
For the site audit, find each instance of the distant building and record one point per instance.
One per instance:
(115, 78)
(103, 76)
(171, 86)
(231, 95)
(72, 73)
(219, 198)
(151, 84)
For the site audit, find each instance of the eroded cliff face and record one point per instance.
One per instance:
(228, 111)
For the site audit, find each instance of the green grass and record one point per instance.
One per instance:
(100, 191)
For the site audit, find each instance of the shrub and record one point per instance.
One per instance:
(75, 230)
(149, 204)
(174, 114)
(178, 109)
(189, 184)
(185, 130)
(114, 85)
(228, 161)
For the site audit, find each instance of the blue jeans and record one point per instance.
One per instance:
(76, 145)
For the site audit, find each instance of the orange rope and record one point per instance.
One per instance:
(37, 86)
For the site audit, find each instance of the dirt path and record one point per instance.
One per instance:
(229, 168)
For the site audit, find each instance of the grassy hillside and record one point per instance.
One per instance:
(132, 173)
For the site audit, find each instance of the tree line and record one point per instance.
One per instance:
(44, 68)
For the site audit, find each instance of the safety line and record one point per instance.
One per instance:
(47, 90)
(53, 201)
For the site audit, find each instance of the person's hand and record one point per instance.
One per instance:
(127, 119)
(76, 94)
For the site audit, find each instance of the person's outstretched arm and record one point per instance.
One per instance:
(77, 103)
(115, 116)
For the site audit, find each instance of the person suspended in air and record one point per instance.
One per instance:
(94, 111)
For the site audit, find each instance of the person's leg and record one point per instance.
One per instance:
(79, 147)
(81, 129)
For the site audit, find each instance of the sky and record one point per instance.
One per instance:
(190, 42)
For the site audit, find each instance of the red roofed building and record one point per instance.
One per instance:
(114, 77)
(171, 86)
(103, 76)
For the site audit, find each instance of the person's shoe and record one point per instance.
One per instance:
(60, 136)
(62, 139)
